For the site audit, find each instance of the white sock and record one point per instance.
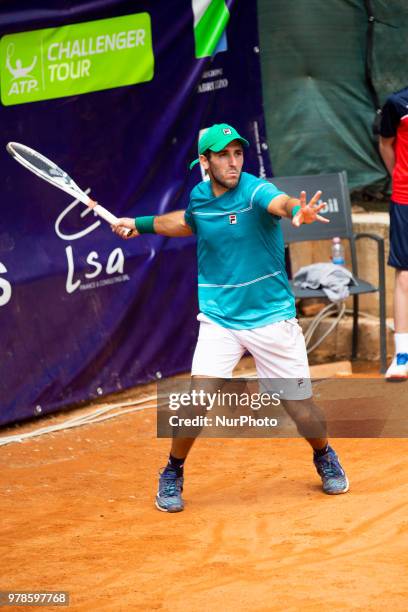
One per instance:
(401, 343)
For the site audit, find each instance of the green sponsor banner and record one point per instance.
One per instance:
(76, 59)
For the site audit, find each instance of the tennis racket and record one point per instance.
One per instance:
(49, 171)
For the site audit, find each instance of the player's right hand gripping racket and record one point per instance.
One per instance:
(47, 170)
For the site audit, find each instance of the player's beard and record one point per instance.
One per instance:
(224, 182)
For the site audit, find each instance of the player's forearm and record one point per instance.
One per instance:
(290, 205)
(172, 224)
(283, 206)
(388, 155)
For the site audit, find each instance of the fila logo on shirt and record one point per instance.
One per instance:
(233, 219)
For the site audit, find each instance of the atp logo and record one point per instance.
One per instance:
(23, 80)
(76, 58)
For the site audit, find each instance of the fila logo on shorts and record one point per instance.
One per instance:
(232, 219)
(226, 131)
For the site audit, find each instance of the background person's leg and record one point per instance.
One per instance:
(398, 259)
(398, 369)
(401, 304)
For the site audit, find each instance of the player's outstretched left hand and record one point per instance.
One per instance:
(309, 212)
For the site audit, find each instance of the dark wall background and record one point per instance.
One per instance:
(319, 105)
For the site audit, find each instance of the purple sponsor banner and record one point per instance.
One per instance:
(83, 313)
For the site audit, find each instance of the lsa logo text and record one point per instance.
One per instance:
(93, 278)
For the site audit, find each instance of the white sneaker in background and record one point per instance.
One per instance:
(398, 370)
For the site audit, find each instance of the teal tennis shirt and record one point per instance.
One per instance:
(242, 281)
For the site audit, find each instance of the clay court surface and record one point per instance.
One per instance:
(257, 533)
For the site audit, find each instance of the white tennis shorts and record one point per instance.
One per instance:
(278, 349)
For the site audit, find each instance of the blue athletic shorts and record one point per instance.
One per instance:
(398, 257)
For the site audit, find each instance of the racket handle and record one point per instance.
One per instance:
(108, 216)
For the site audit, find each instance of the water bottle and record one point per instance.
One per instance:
(337, 252)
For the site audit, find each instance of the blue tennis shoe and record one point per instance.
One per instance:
(168, 498)
(333, 476)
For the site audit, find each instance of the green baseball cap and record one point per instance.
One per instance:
(216, 138)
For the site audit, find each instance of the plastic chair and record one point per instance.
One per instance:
(336, 194)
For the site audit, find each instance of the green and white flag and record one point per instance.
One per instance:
(210, 20)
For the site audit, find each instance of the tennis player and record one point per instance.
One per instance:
(244, 295)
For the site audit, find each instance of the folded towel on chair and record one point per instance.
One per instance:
(331, 278)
